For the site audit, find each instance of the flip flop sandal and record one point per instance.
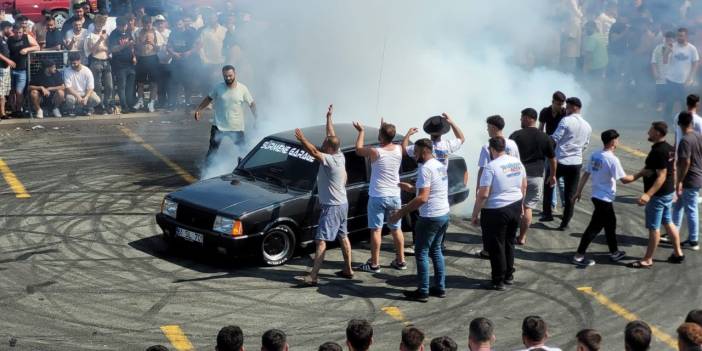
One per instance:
(306, 281)
(639, 265)
(342, 274)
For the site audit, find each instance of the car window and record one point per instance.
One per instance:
(281, 162)
(355, 168)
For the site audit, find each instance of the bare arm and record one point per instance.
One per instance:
(417, 202)
(477, 180)
(629, 178)
(73, 92)
(683, 168)
(581, 186)
(456, 130)
(311, 149)
(330, 123)
(33, 45)
(361, 150)
(405, 140)
(252, 106)
(480, 199)
(693, 72)
(206, 101)
(660, 179)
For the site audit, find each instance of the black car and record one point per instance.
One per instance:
(268, 205)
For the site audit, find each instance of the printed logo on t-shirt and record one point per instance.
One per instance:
(681, 56)
(596, 164)
(512, 169)
(441, 156)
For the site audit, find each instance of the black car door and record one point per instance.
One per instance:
(356, 190)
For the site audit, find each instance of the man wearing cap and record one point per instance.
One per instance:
(498, 208)
(572, 138)
(535, 146)
(605, 169)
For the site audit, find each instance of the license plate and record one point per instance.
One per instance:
(188, 235)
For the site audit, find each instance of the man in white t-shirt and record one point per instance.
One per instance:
(681, 71)
(605, 169)
(80, 87)
(229, 98)
(659, 64)
(383, 194)
(432, 202)
(498, 210)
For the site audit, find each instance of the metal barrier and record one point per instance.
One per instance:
(37, 57)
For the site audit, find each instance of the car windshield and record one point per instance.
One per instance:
(279, 162)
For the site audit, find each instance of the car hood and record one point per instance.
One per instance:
(232, 195)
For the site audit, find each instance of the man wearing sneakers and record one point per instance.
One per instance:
(47, 89)
(689, 179)
(331, 186)
(433, 205)
(605, 169)
(383, 194)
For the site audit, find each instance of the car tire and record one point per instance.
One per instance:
(60, 16)
(277, 245)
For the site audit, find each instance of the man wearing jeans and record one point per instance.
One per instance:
(383, 194)
(571, 137)
(121, 44)
(432, 201)
(689, 179)
(498, 210)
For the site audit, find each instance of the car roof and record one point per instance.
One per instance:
(345, 131)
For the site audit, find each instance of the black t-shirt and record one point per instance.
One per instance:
(4, 50)
(53, 38)
(16, 45)
(124, 56)
(661, 156)
(534, 147)
(551, 122)
(41, 79)
(182, 41)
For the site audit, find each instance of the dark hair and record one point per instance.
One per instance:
(574, 102)
(16, 26)
(684, 119)
(530, 112)
(359, 333)
(443, 343)
(695, 316)
(559, 96)
(534, 328)
(661, 127)
(425, 143)
(497, 121)
(122, 21)
(230, 338)
(498, 144)
(669, 34)
(412, 337)
(21, 18)
(73, 56)
(330, 346)
(228, 68)
(682, 30)
(690, 334)
(387, 132)
(5, 24)
(274, 340)
(481, 329)
(47, 63)
(147, 20)
(637, 336)
(77, 6)
(590, 338)
(692, 100)
(157, 348)
(608, 135)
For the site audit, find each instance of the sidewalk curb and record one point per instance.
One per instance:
(33, 121)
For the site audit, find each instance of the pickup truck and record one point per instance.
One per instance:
(268, 205)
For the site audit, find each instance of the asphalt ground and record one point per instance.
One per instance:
(82, 265)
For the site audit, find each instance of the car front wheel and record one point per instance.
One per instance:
(277, 245)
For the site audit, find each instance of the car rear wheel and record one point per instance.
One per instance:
(277, 245)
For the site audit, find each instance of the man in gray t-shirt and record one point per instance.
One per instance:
(689, 179)
(331, 189)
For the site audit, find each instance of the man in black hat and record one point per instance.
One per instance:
(436, 127)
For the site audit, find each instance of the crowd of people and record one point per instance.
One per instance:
(118, 64)
(638, 336)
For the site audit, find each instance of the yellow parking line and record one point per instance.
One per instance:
(174, 166)
(177, 338)
(13, 182)
(395, 313)
(628, 315)
(632, 151)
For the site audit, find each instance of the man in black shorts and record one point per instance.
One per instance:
(47, 90)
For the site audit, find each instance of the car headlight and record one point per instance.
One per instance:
(169, 207)
(229, 226)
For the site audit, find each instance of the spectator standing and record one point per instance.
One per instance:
(53, 36)
(74, 40)
(274, 340)
(659, 189)
(693, 103)
(4, 16)
(534, 147)
(412, 339)
(331, 188)
(164, 61)
(535, 334)
(594, 54)
(359, 335)
(689, 337)
(571, 35)
(181, 47)
(47, 89)
(20, 45)
(605, 20)
(549, 117)
(637, 336)
(498, 208)
(121, 44)
(443, 343)
(383, 194)
(588, 340)
(229, 119)
(481, 335)
(605, 169)
(79, 14)
(80, 87)
(660, 58)
(147, 44)
(432, 202)
(230, 338)
(6, 64)
(210, 43)
(681, 71)
(572, 138)
(97, 50)
(689, 179)
(39, 29)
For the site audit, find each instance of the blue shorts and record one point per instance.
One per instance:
(19, 81)
(380, 208)
(659, 211)
(332, 222)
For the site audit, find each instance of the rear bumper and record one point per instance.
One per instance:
(245, 244)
